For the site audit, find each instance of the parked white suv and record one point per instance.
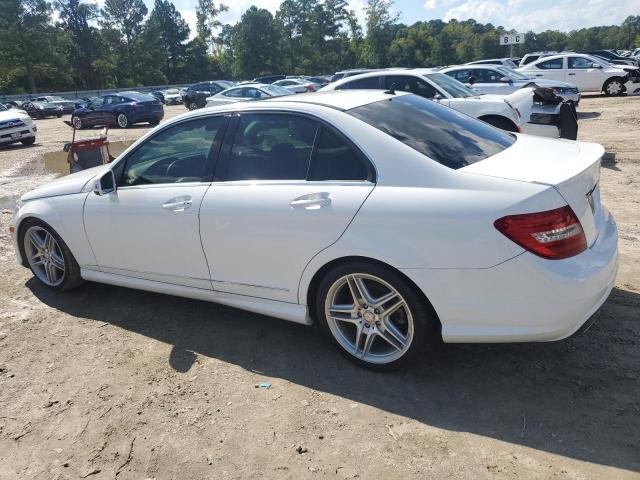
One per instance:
(590, 74)
(518, 112)
(16, 126)
(504, 80)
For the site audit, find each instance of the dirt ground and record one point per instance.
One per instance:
(105, 382)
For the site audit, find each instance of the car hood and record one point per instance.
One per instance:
(66, 185)
(13, 114)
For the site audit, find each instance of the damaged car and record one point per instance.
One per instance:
(513, 113)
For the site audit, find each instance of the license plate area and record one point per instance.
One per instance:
(15, 135)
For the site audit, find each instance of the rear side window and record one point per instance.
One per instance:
(368, 83)
(271, 147)
(335, 159)
(441, 133)
(555, 64)
(406, 83)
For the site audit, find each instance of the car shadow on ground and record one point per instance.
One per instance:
(576, 398)
(588, 115)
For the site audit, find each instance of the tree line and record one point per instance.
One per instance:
(72, 44)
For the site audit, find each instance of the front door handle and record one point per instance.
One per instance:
(178, 204)
(313, 201)
(538, 74)
(572, 74)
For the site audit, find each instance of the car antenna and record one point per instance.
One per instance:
(392, 90)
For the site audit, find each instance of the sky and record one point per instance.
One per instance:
(521, 15)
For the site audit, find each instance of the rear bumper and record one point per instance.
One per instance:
(526, 298)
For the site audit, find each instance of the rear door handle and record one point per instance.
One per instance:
(178, 204)
(313, 201)
(572, 74)
(538, 74)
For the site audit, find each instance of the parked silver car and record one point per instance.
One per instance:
(249, 91)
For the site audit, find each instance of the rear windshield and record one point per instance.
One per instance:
(441, 133)
(140, 97)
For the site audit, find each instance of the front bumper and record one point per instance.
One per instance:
(526, 298)
(22, 132)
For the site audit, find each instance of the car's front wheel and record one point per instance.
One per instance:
(76, 122)
(122, 120)
(48, 256)
(193, 106)
(28, 141)
(374, 315)
(613, 87)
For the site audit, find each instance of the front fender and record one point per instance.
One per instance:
(64, 215)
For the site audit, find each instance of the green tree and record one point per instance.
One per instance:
(172, 31)
(381, 29)
(257, 44)
(207, 13)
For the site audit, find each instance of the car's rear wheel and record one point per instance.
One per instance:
(193, 106)
(613, 87)
(28, 141)
(122, 120)
(76, 122)
(154, 122)
(48, 257)
(373, 315)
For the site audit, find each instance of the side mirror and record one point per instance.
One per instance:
(596, 65)
(505, 80)
(437, 97)
(105, 184)
(471, 80)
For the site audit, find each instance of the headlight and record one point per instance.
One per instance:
(25, 118)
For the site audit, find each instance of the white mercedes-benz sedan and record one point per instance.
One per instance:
(388, 219)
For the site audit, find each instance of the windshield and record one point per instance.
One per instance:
(441, 133)
(450, 85)
(277, 91)
(57, 99)
(510, 72)
(140, 97)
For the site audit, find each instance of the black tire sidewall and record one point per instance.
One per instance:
(72, 276)
(423, 319)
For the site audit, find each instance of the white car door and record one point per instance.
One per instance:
(581, 73)
(552, 69)
(285, 189)
(149, 228)
(488, 81)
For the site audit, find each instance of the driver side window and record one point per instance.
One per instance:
(177, 154)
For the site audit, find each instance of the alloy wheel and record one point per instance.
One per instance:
(369, 318)
(77, 123)
(614, 88)
(123, 121)
(44, 256)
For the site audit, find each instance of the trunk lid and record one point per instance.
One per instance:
(572, 168)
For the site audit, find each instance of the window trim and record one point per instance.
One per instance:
(212, 158)
(224, 155)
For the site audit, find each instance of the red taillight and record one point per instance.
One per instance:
(553, 234)
(309, 88)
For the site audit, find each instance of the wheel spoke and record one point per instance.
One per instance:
(368, 341)
(388, 332)
(36, 240)
(359, 290)
(57, 261)
(343, 313)
(36, 260)
(359, 334)
(49, 242)
(50, 272)
(380, 301)
(392, 309)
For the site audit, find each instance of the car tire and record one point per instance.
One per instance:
(154, 122)
(363, 332)
(58, 269)
(122, 120)
(501, 123)
(192, 106)
(58, 116)
(613, 87)
(76, 122)
(28, 141)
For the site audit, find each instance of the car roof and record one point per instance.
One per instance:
(336, 99)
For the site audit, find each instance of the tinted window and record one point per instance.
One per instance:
(365, 83)
(441, 133)
(486, 75)
(461, 75)
(177, 154)
(410, 84)
(580, 62)
(554, 64)
(236, 92)
(529, 59)
(271, 147)
(335, 159)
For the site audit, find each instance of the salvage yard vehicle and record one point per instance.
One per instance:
(390, 220)
(119, 109)
(505, 62)
(588, 73)
(42, 109)
(525, 110)
(247, 91)
(297, 85)
(196, 95)
(172, 96)
(16, 126)
(503, 80)
(68, 106)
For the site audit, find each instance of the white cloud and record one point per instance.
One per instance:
(524, 15)
(432, 4)
(358, 7)
(190, 17)
(238, 7)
